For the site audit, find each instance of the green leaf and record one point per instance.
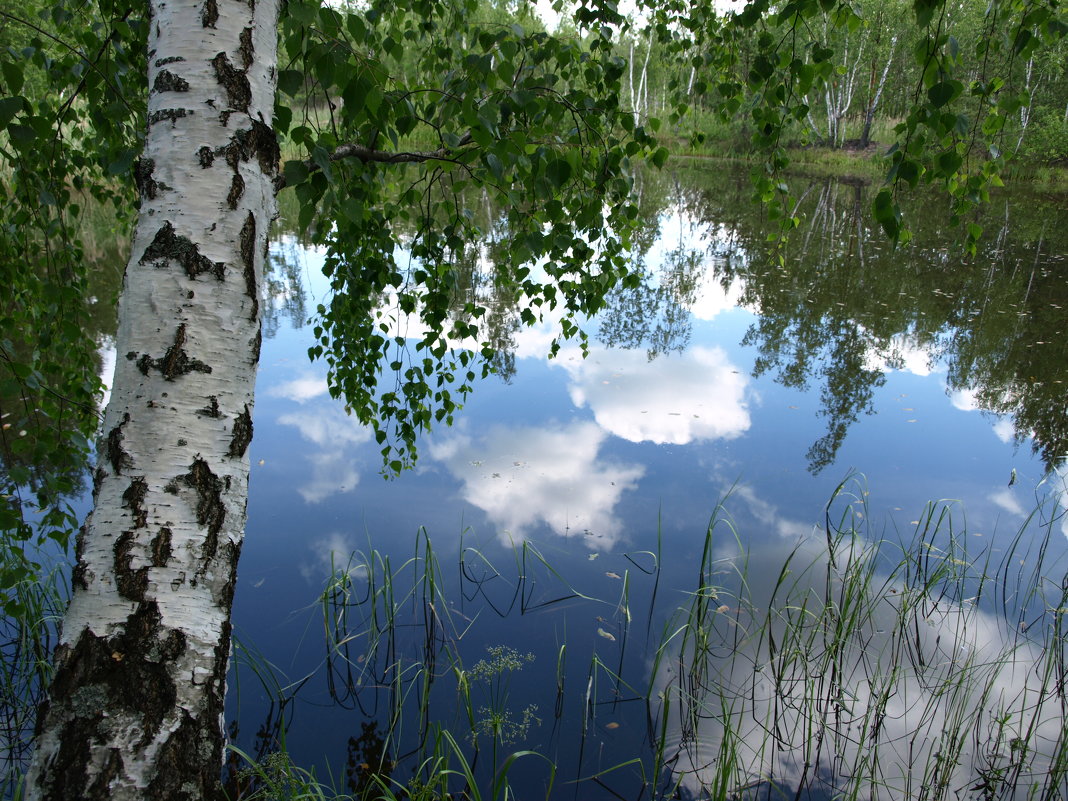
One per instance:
(659, 157)
(13, 77)
(295, 172)
(558, 171)
(290, 82)
(943, 92)
(122, 164)
(9, 107)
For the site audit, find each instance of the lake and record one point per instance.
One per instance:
(658, 567)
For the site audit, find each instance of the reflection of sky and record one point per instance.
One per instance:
(964, 673)
(525, 477)
(613, 454)
(676, 399)
(330, 467)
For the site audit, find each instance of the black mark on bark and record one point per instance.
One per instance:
(161, 547)
(225, 596)
(210, 510)
(167, 81)
(234, 81)
(241, 434)
(259, 141)
(134, 500)
(257, 344)
(167, 245)
(172, 114)
(113, 450)
(211, 14)
(146, 184)
(175, 361)
(247, 242)
(205, 156)
(79, 574)
(130, 583)
(169, 60)
(212, 409)
(128, 675)
(247, 51)
(237, 189)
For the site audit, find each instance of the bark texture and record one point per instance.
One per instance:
(135, 708)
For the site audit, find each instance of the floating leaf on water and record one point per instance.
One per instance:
(607, 635)
(612, 725)
(593, 556)
(610, 574)
(261, 461)
(722, 609)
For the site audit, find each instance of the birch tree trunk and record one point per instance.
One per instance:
(135, 709)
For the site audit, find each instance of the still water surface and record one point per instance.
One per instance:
(726, 387)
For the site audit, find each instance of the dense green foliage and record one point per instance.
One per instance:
(529, 121)
(967, 80)
(71, 111)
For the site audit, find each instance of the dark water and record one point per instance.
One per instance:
(568, 508)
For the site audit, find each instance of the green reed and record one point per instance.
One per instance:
(860, 667)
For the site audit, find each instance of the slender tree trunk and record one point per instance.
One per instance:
(869, 116)
(135, 708)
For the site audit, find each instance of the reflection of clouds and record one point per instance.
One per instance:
(902, 353)
(712, 299)
(106, 350)
(300, 389)
(1059, 477)
(1006, 500)
(333, 431)
(332, 555)
(331, 473)
(696, 395)
(768, 514)
(327, 426)
(967, 400)
(924, 683)
(522, 477)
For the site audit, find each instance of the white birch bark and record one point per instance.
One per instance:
(136, 703)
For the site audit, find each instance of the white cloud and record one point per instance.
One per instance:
(106, 350)
(1005, 430)
(768, 515)
(300, 390)
(676, 398)
(327, 426)
(332, 555)
(965, 400)
(1005, 499)
(524, 477)
(333, 470)
(331, 474)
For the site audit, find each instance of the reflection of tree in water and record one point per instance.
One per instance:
(368, 762)
(844, 304)
(284, 287)
(653, 310)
